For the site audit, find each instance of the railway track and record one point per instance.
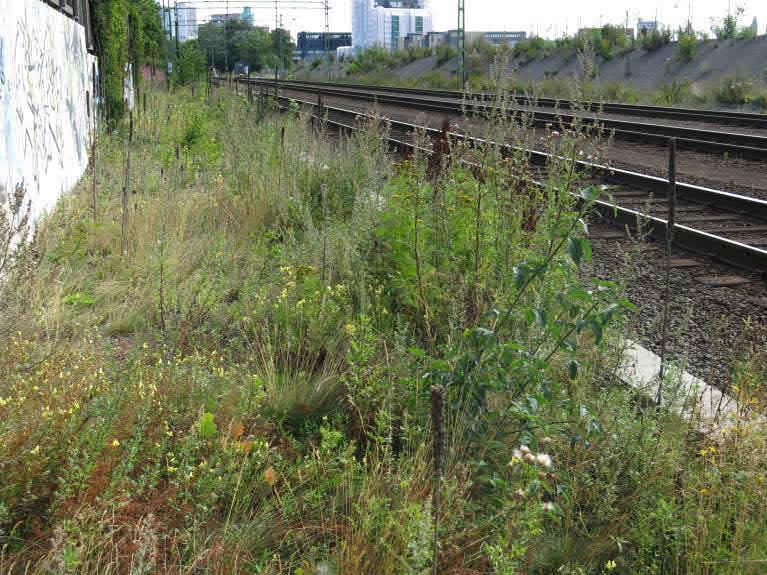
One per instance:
(727, 144)
(725, 118)
(726, 227)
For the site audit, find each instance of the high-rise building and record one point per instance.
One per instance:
(247, 15)
(187, 21)
(645, 27)
(386, 23)
(221, 18)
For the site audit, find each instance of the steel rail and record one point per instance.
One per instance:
(692, 139)
(734, 118)
(719, 248)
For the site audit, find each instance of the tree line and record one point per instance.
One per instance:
(131, 32)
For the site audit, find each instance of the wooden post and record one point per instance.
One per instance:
(126, 183)
(438, 449)
(670, 222)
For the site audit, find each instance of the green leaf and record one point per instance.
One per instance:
(575, 250)
(586, 246)
(207, 428)
(627, 305)
(572, 369)
(79, 299)
(579, 250)
(520, 274)
(596, 329)
(591, 193)
(608, 312)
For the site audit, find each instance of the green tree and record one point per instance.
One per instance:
(282, 47)
(729, 28)
(126, 31)
(252, 47)
(237, 41)
(191, 62)
(688, 45)
(212, 40)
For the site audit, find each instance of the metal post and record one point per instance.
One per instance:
(175, 8)
(462, 44)
(276, 31)
(226, 42)
(670, 223)
(327, 36)
(438, 449)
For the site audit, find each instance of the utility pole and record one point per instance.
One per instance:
(327, 36)
(175, 9)
(276, 31)
(462, 44)
(226, 41)
(626, 61)
(168, 35)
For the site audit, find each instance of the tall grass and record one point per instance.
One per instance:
(245, 390)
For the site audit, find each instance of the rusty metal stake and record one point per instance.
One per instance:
(670, 222)
(438, 450)
(126, 184)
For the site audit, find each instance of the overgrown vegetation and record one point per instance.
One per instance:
(126, 32)
(239, 42)
(687, 44)
(245, 389)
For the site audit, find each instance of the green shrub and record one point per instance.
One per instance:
(191, 63)
(746, 33)
(732, 91)
(759, 98)
(655, 39)
(674, 93)
(687, 46)
(729, 28)
(445, 52)
(531, 48)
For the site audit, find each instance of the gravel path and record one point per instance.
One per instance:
(709, 326)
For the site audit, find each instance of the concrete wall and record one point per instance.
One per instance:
(46, 80)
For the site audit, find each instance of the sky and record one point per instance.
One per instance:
(549, 18)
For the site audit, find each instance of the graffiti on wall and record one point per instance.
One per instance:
(45, 76)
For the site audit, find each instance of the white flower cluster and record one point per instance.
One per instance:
(524, 454)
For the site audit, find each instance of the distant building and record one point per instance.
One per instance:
(310, 44)
(222, 18)
(187, 21)
(644, 27)
(508, 38)
(167, 15)
(495, 38)
(434, 39)
(415, 41)
(247, 15)
(344, 53)
(241, 69)
(387, 23)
